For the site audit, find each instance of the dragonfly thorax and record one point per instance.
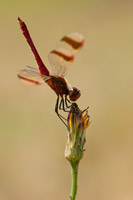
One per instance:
(74, 94)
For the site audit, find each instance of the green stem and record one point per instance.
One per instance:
(74, 180)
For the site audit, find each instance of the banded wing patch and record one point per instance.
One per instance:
(63, 54)
(32, 75)
(73, 40)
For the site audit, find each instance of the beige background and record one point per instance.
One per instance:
(32, 139)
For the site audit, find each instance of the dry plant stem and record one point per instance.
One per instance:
(74, 166)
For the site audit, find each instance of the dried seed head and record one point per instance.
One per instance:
(78, 122)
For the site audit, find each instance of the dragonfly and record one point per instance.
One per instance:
(60, 58)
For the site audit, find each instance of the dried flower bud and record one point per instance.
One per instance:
(78, 122)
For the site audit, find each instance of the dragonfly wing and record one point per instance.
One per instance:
(63, 54)
(60, 59)
(73, 42)
(32, 75)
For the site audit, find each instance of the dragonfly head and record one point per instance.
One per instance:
(74, 94)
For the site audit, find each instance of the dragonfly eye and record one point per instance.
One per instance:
(74, 94)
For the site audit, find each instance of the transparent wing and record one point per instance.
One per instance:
(32, 75)
(63, 54)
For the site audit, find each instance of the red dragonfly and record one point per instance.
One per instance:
(60, 58)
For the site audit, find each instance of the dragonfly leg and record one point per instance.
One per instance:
(56, 110)
(63, 105)
(66, 100)
(60, 106)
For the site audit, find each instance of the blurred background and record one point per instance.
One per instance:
(32, 138)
